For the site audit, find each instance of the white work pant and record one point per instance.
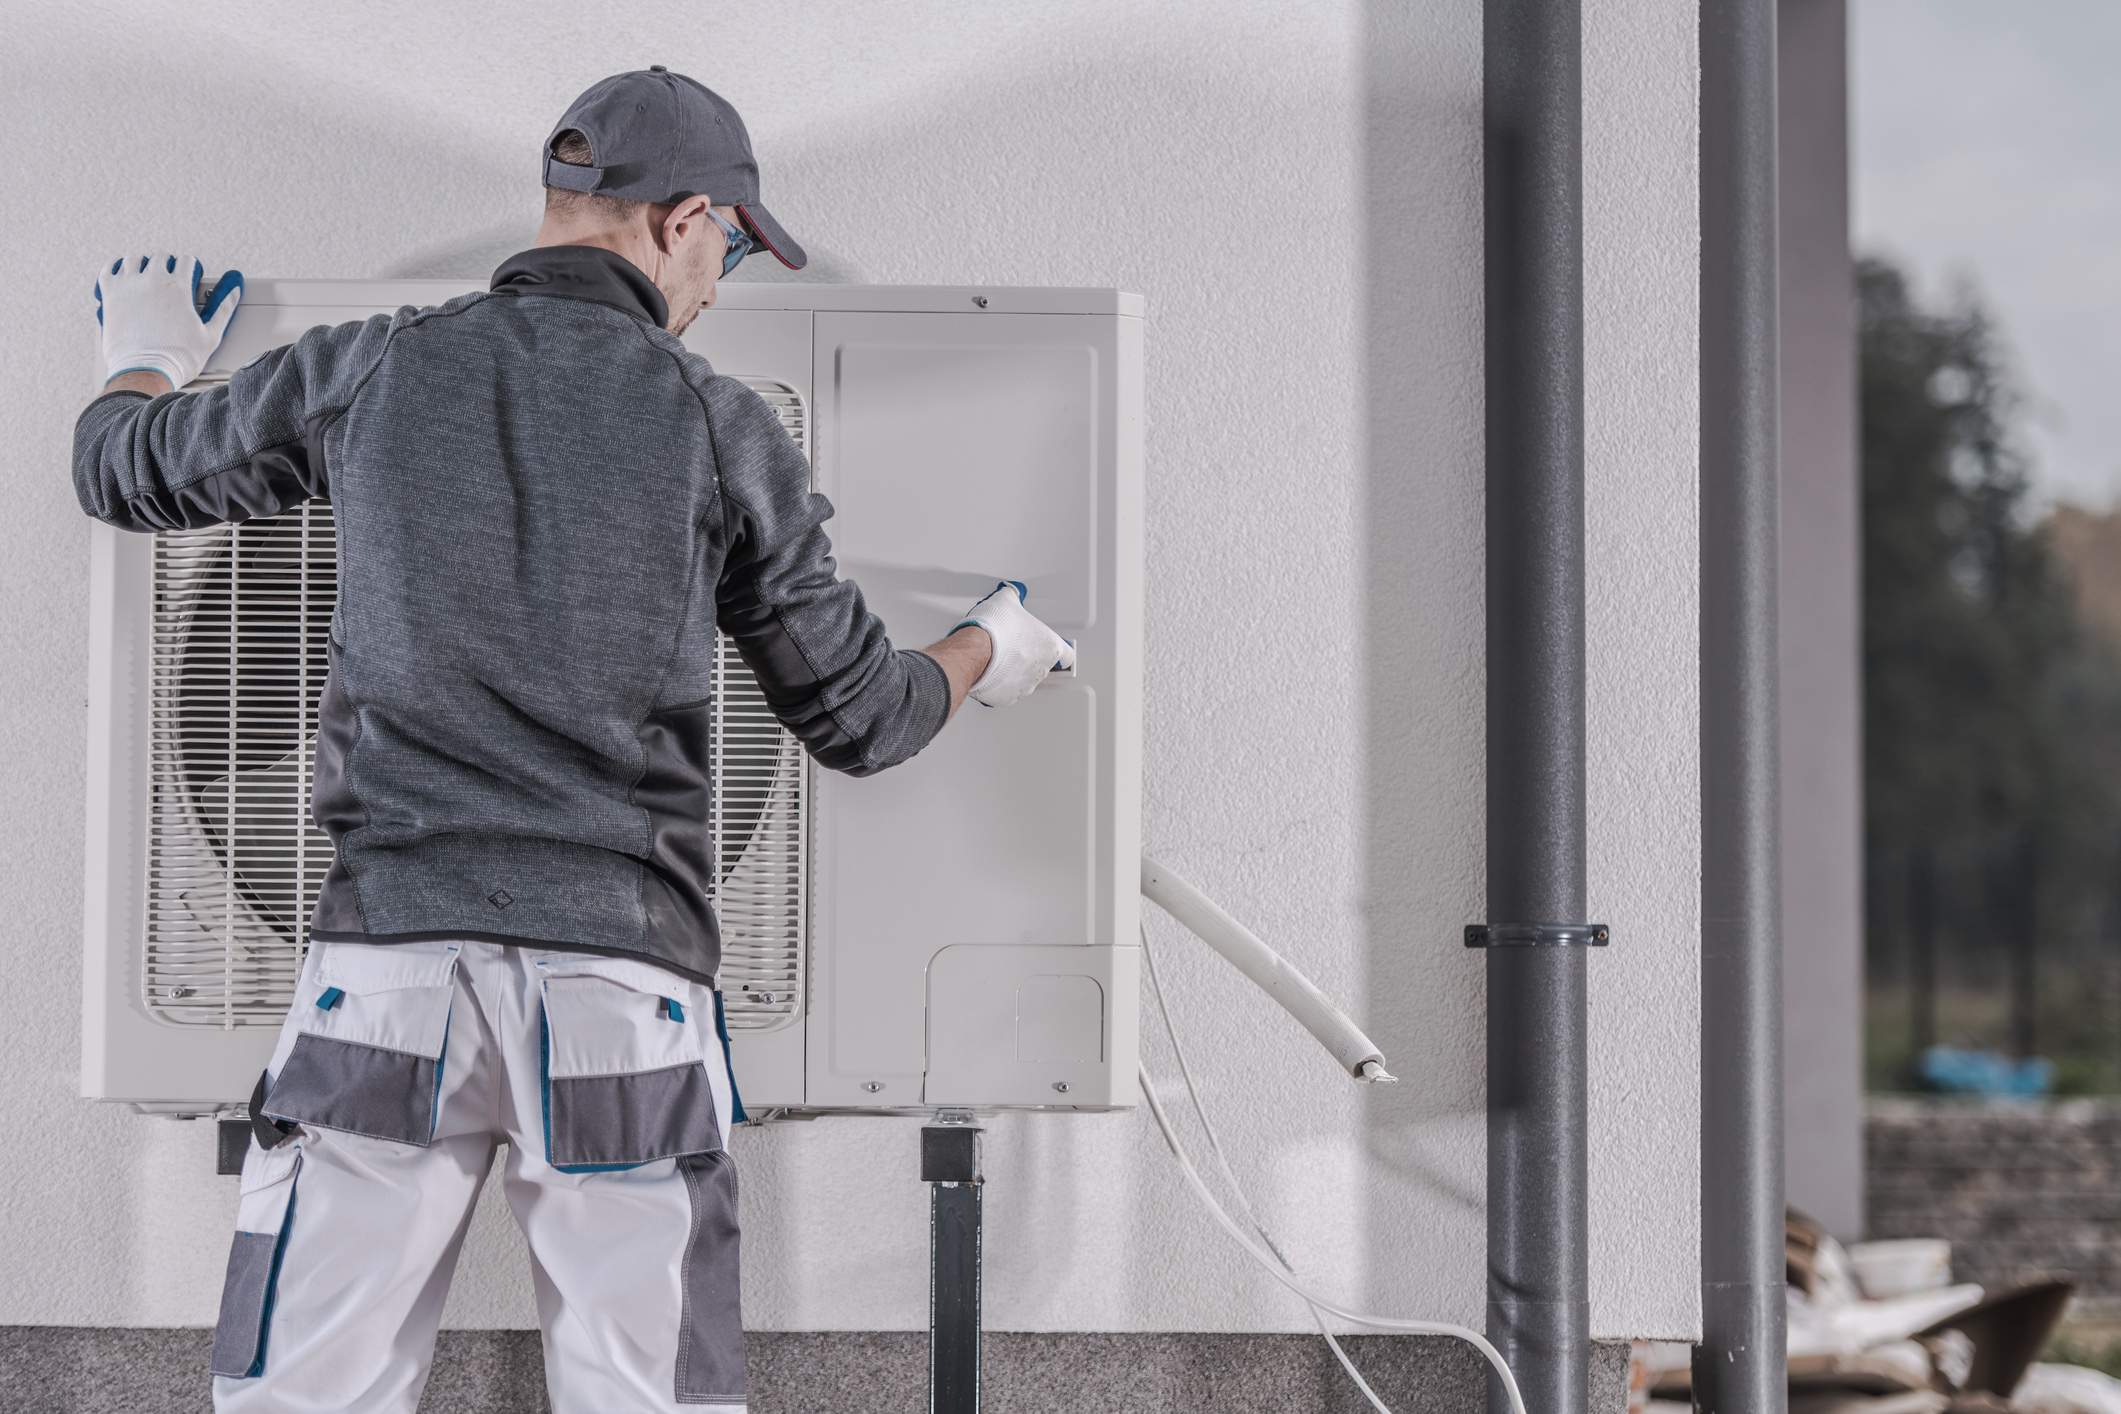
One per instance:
(404, 1066)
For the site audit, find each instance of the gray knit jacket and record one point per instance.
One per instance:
(545, 506)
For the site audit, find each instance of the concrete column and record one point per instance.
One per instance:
(1822, 614)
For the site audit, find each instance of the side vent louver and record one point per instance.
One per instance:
(241, 616)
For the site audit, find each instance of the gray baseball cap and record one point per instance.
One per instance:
(661, 137)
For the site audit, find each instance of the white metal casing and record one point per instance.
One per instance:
(970, 915)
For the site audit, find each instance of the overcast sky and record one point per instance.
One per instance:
(1988, 143)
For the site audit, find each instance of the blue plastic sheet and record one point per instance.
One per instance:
(1955, 1070)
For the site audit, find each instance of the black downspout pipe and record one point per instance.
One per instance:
(1739, 1366)
(1538, 1214)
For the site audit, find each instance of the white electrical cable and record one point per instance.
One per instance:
(1386, 1323)
(1215, 1143)
(1207, 921)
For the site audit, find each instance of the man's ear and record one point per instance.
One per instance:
(685, 219)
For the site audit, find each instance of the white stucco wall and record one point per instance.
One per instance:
(1296, 191)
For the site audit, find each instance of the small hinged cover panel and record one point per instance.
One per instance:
(1045, 1026)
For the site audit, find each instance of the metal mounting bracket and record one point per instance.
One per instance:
(1537, 935)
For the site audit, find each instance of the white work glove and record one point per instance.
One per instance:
(150, 321)
(1025, 650)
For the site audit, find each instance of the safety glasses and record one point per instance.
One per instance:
(740, 242)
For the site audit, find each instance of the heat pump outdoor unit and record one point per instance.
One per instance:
(957, 932)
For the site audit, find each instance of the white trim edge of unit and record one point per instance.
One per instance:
(853, 299)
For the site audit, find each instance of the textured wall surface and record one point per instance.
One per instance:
(1296, 191)
(2020, 1191)
(1641, 253)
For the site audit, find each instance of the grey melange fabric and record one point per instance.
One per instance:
(545, 506)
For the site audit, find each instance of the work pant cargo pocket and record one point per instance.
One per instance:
(264, 1215)
(711, 1323)
(371, 1027)
(626, 1075)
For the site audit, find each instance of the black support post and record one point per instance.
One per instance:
(1739, 1365)
(950, 1165)
(1538, 1212)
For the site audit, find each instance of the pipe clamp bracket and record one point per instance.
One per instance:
(1537, 935)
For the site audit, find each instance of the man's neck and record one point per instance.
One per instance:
(631, 244)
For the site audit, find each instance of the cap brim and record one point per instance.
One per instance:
(769, 232)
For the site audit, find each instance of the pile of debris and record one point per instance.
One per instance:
(1879, 1328)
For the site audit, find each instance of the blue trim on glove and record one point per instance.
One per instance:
(230, 282)
(1022, 593)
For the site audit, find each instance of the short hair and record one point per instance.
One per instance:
(571, 147)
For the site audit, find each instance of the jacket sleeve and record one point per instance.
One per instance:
(822, 659)
(251, 447)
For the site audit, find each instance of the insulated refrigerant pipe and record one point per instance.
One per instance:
(1538, 1208)
(1739, 1365)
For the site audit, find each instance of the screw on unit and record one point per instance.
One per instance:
(176, 992)
(1061, 1085)
(872, 1086)
(980, 300)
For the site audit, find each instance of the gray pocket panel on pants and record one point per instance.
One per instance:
(359, 1089)
(607, 1120)
(711, 1329)
(239, 1334)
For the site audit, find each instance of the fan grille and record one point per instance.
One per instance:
(241, 617)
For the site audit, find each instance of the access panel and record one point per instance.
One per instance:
(960, 450)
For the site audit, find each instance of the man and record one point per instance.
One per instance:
(545, 507)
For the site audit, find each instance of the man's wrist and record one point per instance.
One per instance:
(139, 380)
(983, 645)
(963, 654)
